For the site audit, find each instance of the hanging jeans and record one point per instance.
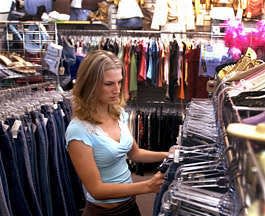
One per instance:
(79, 197)
(169, 177)
(41, 138)
(57, 190)
(25, 173)
(31, 143)
(63, 161)
(17, 197)
(5, 206)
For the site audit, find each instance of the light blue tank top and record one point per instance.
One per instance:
(110, 155)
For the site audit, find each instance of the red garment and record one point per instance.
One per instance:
(196, 84)
(142, 67)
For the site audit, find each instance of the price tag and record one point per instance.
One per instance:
(10, 37)
(216, 30)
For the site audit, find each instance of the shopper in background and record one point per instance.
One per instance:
(99, 141)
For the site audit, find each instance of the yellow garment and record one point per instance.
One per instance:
(197, 6)
(247, 131)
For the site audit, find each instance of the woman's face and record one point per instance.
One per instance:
(110, 88)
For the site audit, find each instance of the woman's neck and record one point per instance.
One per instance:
(103, 112)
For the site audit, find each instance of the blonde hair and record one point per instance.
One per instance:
(90, 75)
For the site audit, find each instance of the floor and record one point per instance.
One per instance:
(145, 201)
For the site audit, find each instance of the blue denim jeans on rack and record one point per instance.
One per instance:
(63, 162)
(169, 177)
(5, 205)
(57, 190)
(42, 163)
(25, 173)
(31, 6)
(31, 142)
(66, 107)
(79, 14)
(75, 181)
(134, 23)
(18, 200)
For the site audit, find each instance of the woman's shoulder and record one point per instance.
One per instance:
(79, 130)
(80, 125)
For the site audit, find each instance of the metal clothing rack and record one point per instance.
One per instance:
(249, 190)
(28, 41)
(138, 33)
(27, 33)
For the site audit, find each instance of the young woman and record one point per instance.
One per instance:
(99, 141)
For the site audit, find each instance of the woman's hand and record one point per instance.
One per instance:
(154, 183)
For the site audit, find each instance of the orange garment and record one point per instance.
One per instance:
(160, 78)
(127, 61)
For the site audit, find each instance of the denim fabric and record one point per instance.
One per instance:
(31, 6)
(155, 61)
(68, 55)
(35, 39)
(16, 33)
(31, 142)
(17, 197)
(75, 181)
(130, 23)
(74, 67)
(63, 163)
(5, 205)
(150, 62)
(42, 163)
(79, 14)
(169, 177)
(24, 168)
(66, 106)
(17, 39)
(57, 190)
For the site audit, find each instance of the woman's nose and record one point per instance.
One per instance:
(117, 88)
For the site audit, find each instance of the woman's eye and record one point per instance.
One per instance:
(108, 84)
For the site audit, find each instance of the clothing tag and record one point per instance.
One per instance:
(34, 128)
(10, 37)
(176, 155)
(45, 120)
(63, 114)
(15, 128)
(55, 106)
(249, 15)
